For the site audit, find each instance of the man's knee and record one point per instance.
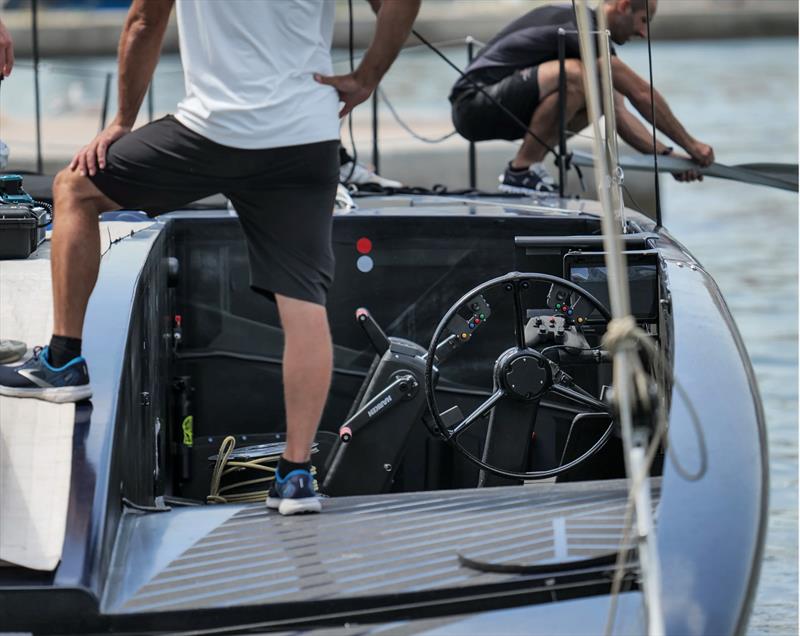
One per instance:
(297, 316)
(73, 192)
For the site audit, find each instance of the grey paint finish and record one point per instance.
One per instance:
(359, 546)
(711, 530)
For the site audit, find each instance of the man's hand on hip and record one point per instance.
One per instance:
(92, 156)
(352, 91)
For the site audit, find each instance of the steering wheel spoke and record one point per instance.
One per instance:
(519, 317)
(477, 414)
(578, 395)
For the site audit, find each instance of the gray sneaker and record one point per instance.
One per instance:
(534, 180)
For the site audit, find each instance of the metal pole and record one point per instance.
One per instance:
(150, 107)
(473, 167)
(624, 358)
(38, 105)
(612, 146)
(106, 97)
(375, 155)
(562, 112)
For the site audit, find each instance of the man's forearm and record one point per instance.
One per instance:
(666, 122)
(637, 91)
(634, 132)
(139, 50)
(394, 23)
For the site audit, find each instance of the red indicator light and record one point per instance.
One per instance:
(477, 321)
(364, 245)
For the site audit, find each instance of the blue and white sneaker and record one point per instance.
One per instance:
(37, 379)
(293, 494)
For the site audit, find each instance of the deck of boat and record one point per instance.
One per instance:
(360, 547)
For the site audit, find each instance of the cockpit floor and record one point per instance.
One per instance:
(234, 555)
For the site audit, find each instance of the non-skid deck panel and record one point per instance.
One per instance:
(360, 546)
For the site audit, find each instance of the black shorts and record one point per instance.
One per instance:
(284, 197)
(476, 118)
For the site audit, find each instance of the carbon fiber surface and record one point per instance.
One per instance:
(360, 546)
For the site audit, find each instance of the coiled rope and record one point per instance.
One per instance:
(224, 466)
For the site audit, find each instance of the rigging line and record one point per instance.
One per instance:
(119, 239)
(407, 128)
(480, 88)
(653, 112)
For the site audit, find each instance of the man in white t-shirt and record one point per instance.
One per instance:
(259, 123)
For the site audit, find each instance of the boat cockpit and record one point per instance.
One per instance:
(493, 318)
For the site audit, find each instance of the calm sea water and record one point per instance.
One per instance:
(739, 96)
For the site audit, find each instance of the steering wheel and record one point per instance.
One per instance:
(523, 375)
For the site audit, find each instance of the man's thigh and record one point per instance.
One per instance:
(478, 117)
(161, 167)
(287, 221)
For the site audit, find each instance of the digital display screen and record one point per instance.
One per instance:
(643, 279)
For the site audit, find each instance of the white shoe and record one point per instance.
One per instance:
(363, 175)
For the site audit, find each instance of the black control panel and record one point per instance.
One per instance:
(589, 271)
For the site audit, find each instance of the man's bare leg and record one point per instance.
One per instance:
(544, 121)
(307, 366)
(75, 249)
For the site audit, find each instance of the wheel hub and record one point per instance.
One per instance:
(525, 375)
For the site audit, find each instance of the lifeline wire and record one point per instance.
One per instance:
(407, 128)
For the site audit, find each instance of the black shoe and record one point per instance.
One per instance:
(534, 180)
(37, 379)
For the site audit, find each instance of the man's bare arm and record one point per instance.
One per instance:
(139, 50)
(6, 51)
(638, 92)
(631, 129)
(394, 23)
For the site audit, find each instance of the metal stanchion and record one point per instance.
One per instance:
(106, 98)
(375, 155)
(38, 104)
(473, 168)
(562, 107)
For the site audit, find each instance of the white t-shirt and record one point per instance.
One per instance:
(248, 69)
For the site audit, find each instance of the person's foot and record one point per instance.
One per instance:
(37, 379)
(293, 494)
(533, 180)
(361, 175)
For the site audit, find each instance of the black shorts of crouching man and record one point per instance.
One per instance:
(477, 118)
(284, 197)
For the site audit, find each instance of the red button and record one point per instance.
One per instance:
(364, 245)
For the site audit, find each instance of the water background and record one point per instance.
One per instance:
(740, 96)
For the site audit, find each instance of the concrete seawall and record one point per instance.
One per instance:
(77, 33)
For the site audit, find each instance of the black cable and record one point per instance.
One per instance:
(350, 114)
(653, 114)
(477, 86)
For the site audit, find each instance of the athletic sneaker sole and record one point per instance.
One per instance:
(295, 506)
(59, 395)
